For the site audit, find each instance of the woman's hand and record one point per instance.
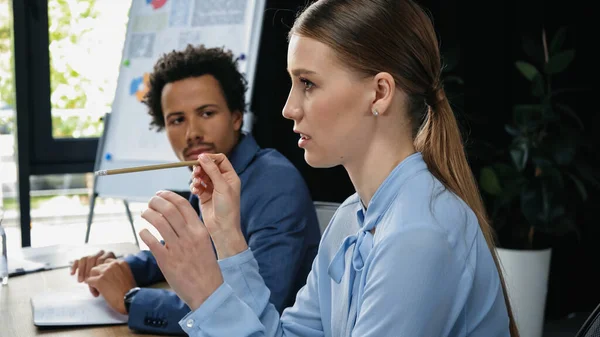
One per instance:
(187, 258)
(218, 189)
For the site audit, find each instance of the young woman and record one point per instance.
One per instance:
(410, 254)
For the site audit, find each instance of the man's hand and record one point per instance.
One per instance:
(86, 263)
(112, 280)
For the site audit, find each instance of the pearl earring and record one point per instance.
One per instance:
(375, 112)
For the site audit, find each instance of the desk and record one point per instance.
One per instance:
(16, 318)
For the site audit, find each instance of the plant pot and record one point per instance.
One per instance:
(526, 275)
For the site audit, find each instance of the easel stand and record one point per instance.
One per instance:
(94, 194)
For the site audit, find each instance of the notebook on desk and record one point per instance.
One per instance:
(76, 307)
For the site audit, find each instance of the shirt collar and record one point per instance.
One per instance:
(368, 218)
(391, 186)
(243, 153)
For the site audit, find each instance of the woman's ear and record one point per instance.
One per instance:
(385, 88)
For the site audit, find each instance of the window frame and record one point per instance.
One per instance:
(38, 152)
(48, 155)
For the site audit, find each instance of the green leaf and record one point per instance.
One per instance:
(564, 145)
(580, 187)
(512, 130)
(557, 212)
(512, 182)
(559, 62)
(537, 86)
(566, 109)
(560, 226)
(587, 173)
(544, 216)
(505, 171)
(558, 40)
(519, 154)
(554, 176)
(489, 181)
(524, 114)
(548, 114)
(531, 204)
(527, 69)
(546, 169)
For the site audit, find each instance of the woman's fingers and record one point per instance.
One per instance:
(215, 166)
(161, 224)
(158, 250)
(222, 162)
(200, 182)
(170, 213)
(183, 207)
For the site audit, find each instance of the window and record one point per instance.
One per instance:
(66, 61)
(9, 202)
(86, 41)
(68, 54)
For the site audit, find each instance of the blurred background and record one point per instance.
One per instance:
(521, 76)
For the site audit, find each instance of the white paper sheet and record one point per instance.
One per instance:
(73, 308)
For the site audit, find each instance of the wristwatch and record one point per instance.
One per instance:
(129, 297)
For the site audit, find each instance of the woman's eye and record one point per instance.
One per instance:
(307, 84)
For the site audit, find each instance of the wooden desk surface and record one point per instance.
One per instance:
(16, 317)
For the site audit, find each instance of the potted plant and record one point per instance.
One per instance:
(535, 185)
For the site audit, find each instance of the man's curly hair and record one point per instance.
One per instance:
(196, 61)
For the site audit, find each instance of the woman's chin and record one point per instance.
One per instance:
(318, 161)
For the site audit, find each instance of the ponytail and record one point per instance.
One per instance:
(441, 145)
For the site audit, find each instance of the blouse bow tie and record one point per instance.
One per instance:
(363, 243)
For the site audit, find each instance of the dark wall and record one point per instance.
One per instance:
(489, 36)
(271, 90)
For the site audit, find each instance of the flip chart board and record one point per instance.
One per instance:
(156, 27)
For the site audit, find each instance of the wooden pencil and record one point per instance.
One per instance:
(146, 168)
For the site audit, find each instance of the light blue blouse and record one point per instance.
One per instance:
(427, 271)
